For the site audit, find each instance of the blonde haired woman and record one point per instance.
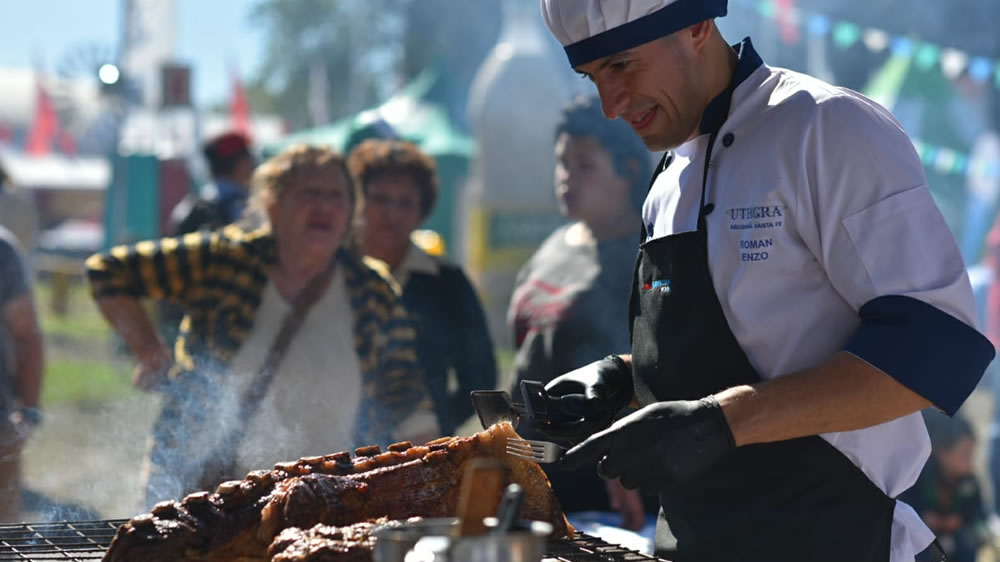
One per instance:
(349, 375)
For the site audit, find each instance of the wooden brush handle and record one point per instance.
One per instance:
(482, 488)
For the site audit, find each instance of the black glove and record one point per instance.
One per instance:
(659, 446)
(607, 386)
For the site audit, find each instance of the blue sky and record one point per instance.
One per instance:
(212, 36)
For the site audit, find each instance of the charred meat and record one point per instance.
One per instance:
(239, 521)
(325, 543)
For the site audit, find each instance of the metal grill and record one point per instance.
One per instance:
(88, 540)
(69, 540)
(587, 548)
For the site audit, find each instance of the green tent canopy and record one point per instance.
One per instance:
(414, 119)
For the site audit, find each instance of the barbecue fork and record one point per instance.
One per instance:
(535, 451)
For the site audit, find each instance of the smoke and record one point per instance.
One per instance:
(311, 408)
(83, 462)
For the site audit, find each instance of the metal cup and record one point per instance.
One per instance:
(392, 544)
(525, 543)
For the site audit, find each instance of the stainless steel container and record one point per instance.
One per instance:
(392, 544)
(524, 544)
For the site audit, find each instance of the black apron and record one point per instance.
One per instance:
(800, 500)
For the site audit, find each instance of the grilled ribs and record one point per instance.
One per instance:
(240, 519)
(324, 543)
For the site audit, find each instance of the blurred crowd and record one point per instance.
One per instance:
(299, 311)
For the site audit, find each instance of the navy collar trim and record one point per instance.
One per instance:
(663, 22)
(717, 110)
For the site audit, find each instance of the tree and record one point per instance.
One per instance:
(356, 42)
(452, 37)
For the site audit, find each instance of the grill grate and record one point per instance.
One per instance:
(68, 540)
(88, 540)
(587, 548)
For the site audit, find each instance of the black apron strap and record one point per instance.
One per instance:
(703, 210)
(633, 302)
(933, 553)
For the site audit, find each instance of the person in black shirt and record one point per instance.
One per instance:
(454, 348)
(947, 494)
(222, 201)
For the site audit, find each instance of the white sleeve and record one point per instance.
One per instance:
(867, 215)
(869, 218)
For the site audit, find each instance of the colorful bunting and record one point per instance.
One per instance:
(927, 56)
(876, 40)
(902, 47)
(819, 24)
(846, 34)
(947, 161)
(767, 8)
(953, 63)
(924, 55)
(980, 69)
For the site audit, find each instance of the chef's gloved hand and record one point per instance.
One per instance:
(659, 446)
(607, 387)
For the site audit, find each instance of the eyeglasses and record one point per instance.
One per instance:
(405, 204)
(317, 196)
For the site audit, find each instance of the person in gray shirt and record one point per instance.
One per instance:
(21, 364)
(569, 306)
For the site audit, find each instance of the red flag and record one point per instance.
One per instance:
(787, 23)
(45, 127)
(239, 107)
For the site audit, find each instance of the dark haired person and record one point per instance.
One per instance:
(947, 494)
(21, 371)
(797, 299)
(400, 187)
(18, 213)
(222, 201)
(568, 307)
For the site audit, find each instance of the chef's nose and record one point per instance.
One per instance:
(614, 97)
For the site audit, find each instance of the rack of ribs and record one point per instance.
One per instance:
(353, 543)
(239, 521)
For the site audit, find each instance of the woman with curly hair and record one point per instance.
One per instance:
(400, 186)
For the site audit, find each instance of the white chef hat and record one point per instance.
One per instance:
(593, 29)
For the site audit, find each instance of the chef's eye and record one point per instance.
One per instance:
(619, 66)
(585, 76)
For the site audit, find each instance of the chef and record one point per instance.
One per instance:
(797, 300)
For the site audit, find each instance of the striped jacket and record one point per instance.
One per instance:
(219, 278)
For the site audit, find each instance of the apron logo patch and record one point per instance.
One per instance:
(751, 218)
(663, 286)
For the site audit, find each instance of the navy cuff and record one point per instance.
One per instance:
(926, 349)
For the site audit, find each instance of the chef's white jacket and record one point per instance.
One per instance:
(819, 208)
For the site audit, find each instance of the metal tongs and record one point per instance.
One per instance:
(493, 406)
